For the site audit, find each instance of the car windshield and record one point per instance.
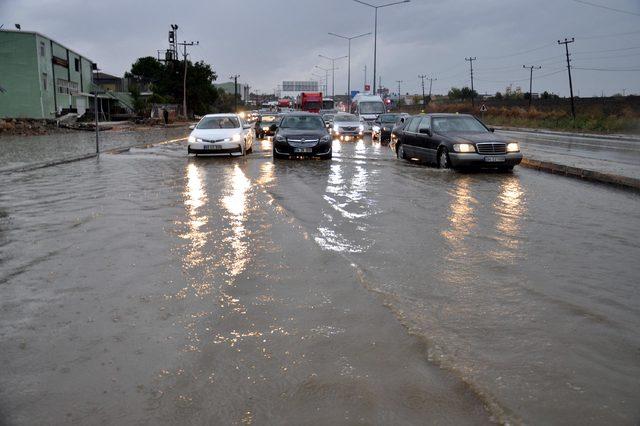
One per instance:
(389, 118)
(269, 118)
(328, 117)
(345, 117)
(302, 122)
(457, 124)
(218, 123)
(371, 108)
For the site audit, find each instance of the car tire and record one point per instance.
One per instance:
(250, 150)
(400, 152)
(443, 159)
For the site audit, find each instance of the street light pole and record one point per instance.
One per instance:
(349, 66)
(333, 72)
(375, 31)
(326, 77)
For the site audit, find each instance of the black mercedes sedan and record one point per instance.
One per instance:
(455, 141)
(301, 134)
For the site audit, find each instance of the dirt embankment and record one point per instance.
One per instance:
(31, 127)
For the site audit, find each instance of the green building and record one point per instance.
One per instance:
(41, 78)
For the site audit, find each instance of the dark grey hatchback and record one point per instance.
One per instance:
(455, 141)
(301, 135)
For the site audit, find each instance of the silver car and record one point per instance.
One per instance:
(347, 127)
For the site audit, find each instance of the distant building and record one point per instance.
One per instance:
(228, 87)
(110, 83)
(40, 77)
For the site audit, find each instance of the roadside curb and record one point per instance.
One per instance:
(580, 173)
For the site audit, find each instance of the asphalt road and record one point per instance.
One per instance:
(612, 155)
(153, 288)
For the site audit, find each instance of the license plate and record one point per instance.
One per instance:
(496, 159)
(212, 147)
(302, 150)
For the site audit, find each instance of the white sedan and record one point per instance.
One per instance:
(221, 134)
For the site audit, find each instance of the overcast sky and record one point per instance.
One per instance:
(267, 41)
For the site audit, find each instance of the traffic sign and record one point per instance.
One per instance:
(483, 108)
(367, 87)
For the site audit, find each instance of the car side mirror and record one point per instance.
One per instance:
(425, 131)
(191, 127)
(491, 129)
(273, 127)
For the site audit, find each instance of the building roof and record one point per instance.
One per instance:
(48, 38)
(105, 76)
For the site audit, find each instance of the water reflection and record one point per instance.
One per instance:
(195, 198)
(462, 221)
(510, 209)
(235, 203)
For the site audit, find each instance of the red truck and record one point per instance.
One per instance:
(310, 101)
(284, 103)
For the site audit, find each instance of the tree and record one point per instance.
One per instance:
(166, 82)
(454, 93)
(464, 93)
(498, 96)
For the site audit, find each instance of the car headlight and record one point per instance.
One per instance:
(336, 128)
(265, 128)
(280, 139)
(374, 128)
(463, 147)
(513, 147)
(362, 127)
(326, 138)
(236, 137)
(192, 139)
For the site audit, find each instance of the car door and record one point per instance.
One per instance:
(427, 141)
(410, 137)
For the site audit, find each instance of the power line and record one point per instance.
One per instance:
(608, 69)
(609, 35)
(606, 7)
(607, 50)
(519, 53)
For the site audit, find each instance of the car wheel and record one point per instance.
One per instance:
(443, 159)
(400, 152)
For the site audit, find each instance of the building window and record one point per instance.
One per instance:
(77, 61)
(42, 50)
(67, 87)
(44, 81)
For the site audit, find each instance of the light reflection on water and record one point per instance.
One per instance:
(195, 198)
(510, 209)
(235, 203)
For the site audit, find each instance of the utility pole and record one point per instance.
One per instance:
(473, 103)
(399, 92)
(431, 80)
(531, 68)
(235, 92)
(379, 84)
(566, 46)
(424, 99)
(184, 44)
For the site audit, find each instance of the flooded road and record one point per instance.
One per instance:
(153, 288)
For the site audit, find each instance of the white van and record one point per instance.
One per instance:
(368, 108)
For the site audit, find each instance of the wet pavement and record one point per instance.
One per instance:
(153, 288)
(611, 155)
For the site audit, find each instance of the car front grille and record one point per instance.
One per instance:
(349, 129)
(491, 148)
(302, 142)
